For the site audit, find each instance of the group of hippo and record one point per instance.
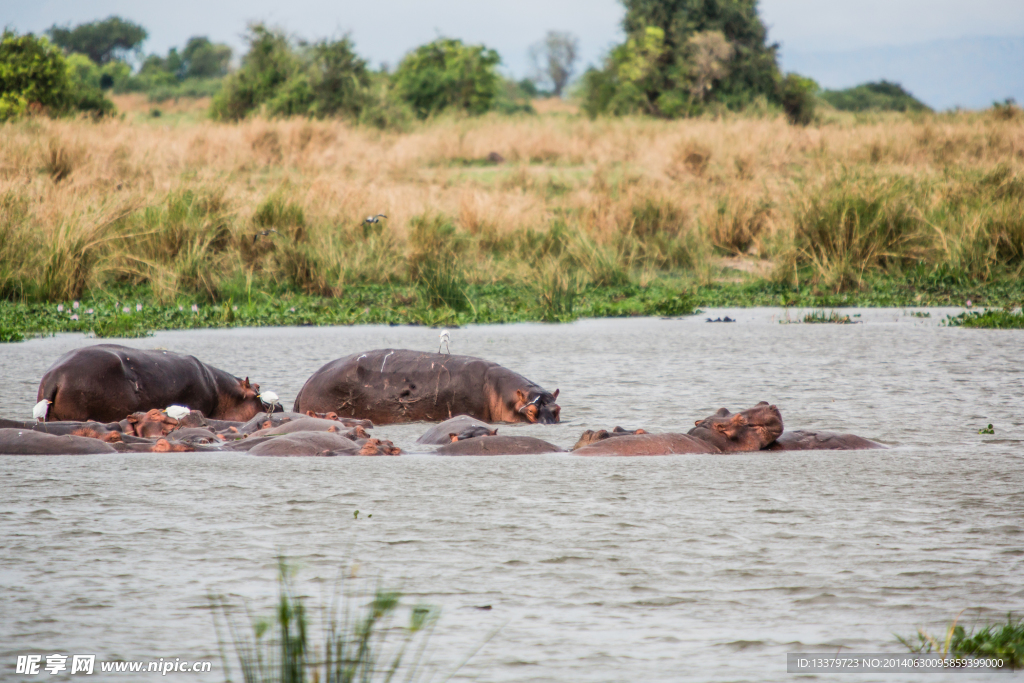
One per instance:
(109, 398)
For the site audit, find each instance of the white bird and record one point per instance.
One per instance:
(374, 219)
(177, 412)
(445, 337)
(270, 398)
(40, 410)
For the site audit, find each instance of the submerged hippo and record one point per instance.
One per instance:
(648, 444)
(498, 445)
(29, 442)
(593, 436)
(801, 440)
(311, 424)
(462, 426)
(748, 430)
(393, 385)
(306, 444)
(105, 382)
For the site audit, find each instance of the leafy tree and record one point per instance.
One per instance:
(339, 79)
(692, 52)
(112, 38)
(204, 59)
(448, 74)
(266, 67)
(554, 58)
(880, 96)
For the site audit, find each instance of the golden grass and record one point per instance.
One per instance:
(96, 202)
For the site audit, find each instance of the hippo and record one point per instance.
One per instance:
(648, 444)
(440, 434)
(499, 445)
(802, 440)
(105, 382)
(306, 444)
(29, 442)
(749, 430)
(590, 436)
(311, 424)
(153, 423)
(98, 429)
(390, 386)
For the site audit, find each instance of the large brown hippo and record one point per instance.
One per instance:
(802, 440)
(498, 445)
(393, 385)
(29, 442)
(105, 382)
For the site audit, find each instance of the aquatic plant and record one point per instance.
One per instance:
(357, 640)
(999, 641)
(830, 317)
(991, 319)
(987, 430)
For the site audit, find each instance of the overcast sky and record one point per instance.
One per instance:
(385, 29)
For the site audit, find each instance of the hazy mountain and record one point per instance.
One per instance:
(966, 72)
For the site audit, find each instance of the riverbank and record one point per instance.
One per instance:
(134, 312)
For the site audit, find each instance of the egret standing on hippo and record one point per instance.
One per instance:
(395, 385)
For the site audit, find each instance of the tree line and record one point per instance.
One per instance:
(679, 58)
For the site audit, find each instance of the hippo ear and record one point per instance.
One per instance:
(720, 427)
(762, 403)
(696, 423)
(640, 431)
(738, 420)
(453, 437)
(722, 412)
(554, 396)
(245, 383)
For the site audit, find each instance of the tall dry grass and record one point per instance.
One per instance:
(178, 204)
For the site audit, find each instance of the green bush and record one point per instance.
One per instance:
(323, 79)
(798, 97)
(880, 96)
(32, 72)
(446, 74)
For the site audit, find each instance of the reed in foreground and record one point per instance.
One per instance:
(355, 638)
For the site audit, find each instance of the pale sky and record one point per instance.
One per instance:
(384, 30)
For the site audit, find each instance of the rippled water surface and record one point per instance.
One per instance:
(705, 567)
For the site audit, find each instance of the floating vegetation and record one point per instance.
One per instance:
(992, 320)
(987, 430)
(996, 641)
(830, 317)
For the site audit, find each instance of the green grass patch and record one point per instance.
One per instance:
(990, 320)
(830, 317)
(997, 641)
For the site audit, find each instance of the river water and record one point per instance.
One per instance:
(704, 567)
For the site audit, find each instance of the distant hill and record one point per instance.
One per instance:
(967, 72)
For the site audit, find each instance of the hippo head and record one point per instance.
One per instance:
(148, 425)
(538, 405)
(748, 430)
(242, 404)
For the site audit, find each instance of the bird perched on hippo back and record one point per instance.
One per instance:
(106, 382)
(394, 385)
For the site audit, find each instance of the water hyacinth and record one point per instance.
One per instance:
(74, 316)
(90, 311)
(60, 308)
(75, 305)
(126, 310)
(195, 308)
(138, 307)
(181, 308)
